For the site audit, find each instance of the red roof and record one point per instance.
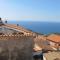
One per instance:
(54, 38)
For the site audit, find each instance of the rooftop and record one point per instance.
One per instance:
(54, 38)
(9, 29)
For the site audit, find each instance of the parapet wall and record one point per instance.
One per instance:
(16, 47)
(14, 37)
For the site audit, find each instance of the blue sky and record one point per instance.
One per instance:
(31, 10)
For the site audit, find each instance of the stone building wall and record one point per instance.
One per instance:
(16, 47)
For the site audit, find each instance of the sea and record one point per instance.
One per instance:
(39, 27)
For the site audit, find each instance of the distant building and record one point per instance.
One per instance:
(54, 41)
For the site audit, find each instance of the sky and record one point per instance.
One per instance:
(30, 10)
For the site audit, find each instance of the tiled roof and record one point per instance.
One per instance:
(54, 38)
(20, 28)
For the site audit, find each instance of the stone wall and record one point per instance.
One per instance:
(16, 47)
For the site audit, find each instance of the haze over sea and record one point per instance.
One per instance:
(40, 27)
(33, 10)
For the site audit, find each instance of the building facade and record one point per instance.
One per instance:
(16, 43)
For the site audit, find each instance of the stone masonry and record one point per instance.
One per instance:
(16, 47)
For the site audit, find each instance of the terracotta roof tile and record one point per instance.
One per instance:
(54, 38)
